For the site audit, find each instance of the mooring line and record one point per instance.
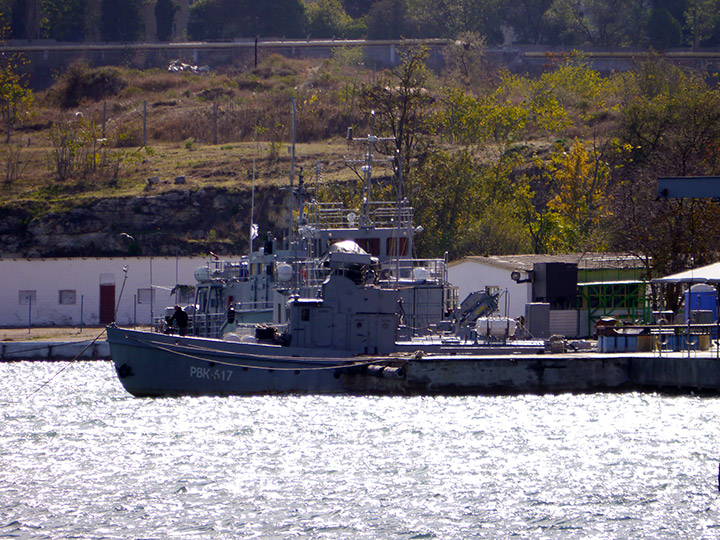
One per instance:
(258, 357)
(69, 363)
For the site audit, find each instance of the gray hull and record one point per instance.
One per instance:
(151, 364)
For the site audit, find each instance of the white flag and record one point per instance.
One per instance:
(253, 231)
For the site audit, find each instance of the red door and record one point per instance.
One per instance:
(107, 304)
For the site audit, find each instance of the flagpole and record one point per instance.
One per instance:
(253, 232)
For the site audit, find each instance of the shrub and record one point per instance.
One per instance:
(81, 81)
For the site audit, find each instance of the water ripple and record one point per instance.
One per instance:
(82, 459)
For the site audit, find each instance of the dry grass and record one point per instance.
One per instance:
(208, 128)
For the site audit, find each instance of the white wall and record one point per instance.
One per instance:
(47, 277)
(472, 275)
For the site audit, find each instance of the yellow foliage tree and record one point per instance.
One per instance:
(581, 199)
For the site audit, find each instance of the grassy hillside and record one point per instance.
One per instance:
(492, 162)
(208, 128)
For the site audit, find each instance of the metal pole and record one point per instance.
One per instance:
(292, 175)
(29, 312)
(144, 123)
(151, 294)
(215, 139)
(134, 310)
(82, 308)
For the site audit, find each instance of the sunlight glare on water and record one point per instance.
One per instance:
(82, 458)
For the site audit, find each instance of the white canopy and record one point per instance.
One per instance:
(704, 274)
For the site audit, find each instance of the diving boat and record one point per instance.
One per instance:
(349, 339)
(342, 307)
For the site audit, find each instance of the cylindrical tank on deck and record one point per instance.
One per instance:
(202, 274)
(284, 272)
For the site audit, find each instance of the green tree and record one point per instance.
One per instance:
(63, 20)
(16, 98)
(387, 19)
(165, 13)
(357, 8)
(663, 30)
(222, 19)
(465, 207)
(527, 18)
(120, 21)
(450, 18)
(602, 23)
(669, 126)
(326, 19)
(701, 19)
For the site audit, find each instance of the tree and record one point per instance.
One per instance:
(165, 11)
(120, 21)
(449, 18)
(401, 104)
(669, 126)
(581, 198)
(466, 207)
(602, 23)
(663, 30)
(465, 60)
(701, 19)
(16, 98)
(326, 19)
(357, 8)
(527, 18)
(387, 19)
(63, 20)
(223, 19)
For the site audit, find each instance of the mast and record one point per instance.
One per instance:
(253, 228)
(292, 175)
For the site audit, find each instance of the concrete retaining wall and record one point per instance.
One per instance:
(56, 350)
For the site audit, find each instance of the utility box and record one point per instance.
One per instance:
(555, 283)
(537, 319)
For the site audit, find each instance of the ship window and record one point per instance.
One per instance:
(305, 314)
(145, 296)
(370, 245)
(216, 302)
(202, 300)
(392, 247)
(27, 297)
(66, 297)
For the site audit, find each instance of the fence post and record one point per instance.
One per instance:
(214, 122)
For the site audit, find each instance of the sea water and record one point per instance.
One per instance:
(80, 458)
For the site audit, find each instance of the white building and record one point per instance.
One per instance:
(477, 273)
(606, 284)
(91, 291)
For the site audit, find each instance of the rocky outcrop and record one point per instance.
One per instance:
(181, 222)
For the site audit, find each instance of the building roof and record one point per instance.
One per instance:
(585, 261)
(704, 274)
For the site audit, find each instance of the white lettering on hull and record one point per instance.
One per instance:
(210, 374)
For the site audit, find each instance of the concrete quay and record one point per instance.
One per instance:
(496, 372)
(54, 350)
(48, 343)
